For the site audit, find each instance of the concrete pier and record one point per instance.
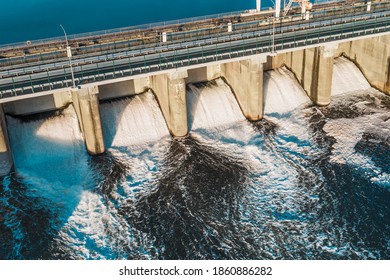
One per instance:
(86, 104)
(372, 56)
(170, 90)
(313, 69)
(6, 161)
(246, 80)
(322, 75)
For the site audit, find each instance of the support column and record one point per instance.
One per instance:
(86, 104)
(170, 90)
(258, 5)
(322, 75)
(6, 161)
(246, 80)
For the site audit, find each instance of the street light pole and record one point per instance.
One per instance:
(273, 36)
(69, 54)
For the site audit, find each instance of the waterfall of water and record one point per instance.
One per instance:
(133, 121)
(282, 92)
(213, 105)
(49, 148)
(347, 77)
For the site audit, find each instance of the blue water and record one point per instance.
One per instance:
(23, 20)
(304, 183)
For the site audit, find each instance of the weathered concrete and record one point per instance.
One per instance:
(203, 74)
(322, 75)
(6, 161)
(125, 88)
(246, 80)
(39, 104)
(372, 56)
(313, 69)
(170, 90)
(86, 104)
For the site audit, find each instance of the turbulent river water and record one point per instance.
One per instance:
(303, 183)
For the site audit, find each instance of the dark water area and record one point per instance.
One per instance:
(312, 183)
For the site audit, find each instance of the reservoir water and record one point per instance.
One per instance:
(303, 183)
(23, 20)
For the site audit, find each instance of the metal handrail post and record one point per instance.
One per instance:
(69, 54)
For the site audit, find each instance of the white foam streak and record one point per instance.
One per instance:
(212, 106)
(347, 77)
(133, 121)
(49, 149)
(282, 92)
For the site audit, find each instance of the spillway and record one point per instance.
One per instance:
(282, 93)
(304, 183)
(347, 77)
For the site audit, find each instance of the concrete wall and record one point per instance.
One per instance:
(86, 104)
(170, 90)
(313, 68)
(246, 80)
(6, 161)
(372, 56)
(203, 74)
(125, 88)
(39, 104)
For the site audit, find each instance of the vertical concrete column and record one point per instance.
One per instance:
(6, 161)
(246, 80)
(86, 104)
(170, 90)
(322, 74)
(387, 84)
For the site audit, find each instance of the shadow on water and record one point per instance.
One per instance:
(193, 209)
(193, 99)
(377, 148)
(38, 198)
(353, 211)
(113, 117)
(26, 223)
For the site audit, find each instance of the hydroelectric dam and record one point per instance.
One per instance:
(37, 77)
(259, 134)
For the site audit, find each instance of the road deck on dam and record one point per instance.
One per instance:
(43, 66)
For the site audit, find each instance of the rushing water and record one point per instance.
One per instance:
(304, 183)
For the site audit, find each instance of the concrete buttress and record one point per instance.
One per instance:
(6, 161)
(86, 104)
(246, 80)
(170, 90)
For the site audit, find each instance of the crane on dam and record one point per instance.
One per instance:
(305, 5)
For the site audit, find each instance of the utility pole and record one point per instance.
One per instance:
(69, 54)
(277, 8)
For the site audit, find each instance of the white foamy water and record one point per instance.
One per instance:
(95, 230)
(133, 121)
(282, 92)
(212, 106)
(49, 151)
(349, 131)
(347, 77)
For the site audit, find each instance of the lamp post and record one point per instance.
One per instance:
(69, 54)
(273, 37)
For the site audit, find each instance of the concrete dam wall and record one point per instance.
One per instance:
(312, 67)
